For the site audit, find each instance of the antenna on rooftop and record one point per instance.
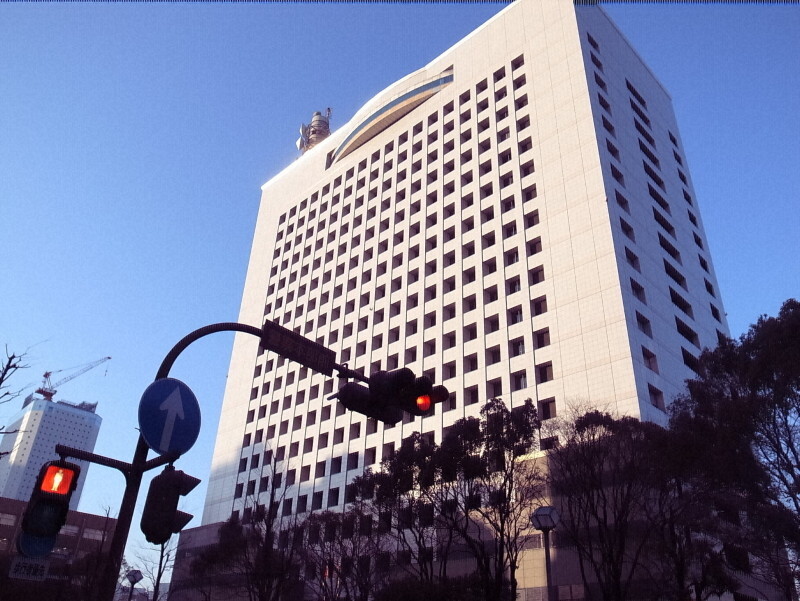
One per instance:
(315, 132)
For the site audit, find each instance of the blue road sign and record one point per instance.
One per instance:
(169, 416)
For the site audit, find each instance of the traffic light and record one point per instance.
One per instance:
(403, 390)
(390, 393)
(160, 517)
(47, 508)
(356, 397)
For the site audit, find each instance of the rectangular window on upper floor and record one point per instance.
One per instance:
(676, 275)
(544, 372)
(604, 103)
(644, 133)
(664, 223)
(640, 113)
(653, 175)
(649, 154)
(635, 93)
(599, 81)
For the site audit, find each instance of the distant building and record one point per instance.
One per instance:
(31, 440)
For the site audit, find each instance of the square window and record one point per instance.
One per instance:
(536, 275)
(544, 372)
(656, 397)
(519, 380)
(547, 408)
(333, 497)
(649, 359)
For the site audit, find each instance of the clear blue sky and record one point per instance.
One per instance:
(134, 139)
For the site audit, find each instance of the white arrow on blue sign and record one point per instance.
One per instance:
(169, 416)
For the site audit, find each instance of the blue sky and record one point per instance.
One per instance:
(134, 139)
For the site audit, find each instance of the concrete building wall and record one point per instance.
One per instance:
(515, 219)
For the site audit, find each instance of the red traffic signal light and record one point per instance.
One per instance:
(48, 507)
(423, 402)
(160, 517)
(427, 400)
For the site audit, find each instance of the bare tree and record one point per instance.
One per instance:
(153, 568)
(8, 367)
(489, 485)
(472, 495)
(256, 558)
(401, 504)
(342, 555)
(87, 570)
(599, 477)
(744, 410)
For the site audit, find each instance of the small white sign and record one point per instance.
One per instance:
(27, 568)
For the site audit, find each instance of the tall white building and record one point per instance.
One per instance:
(515, 219)
(31, 440)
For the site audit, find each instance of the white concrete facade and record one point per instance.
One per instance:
(33, 435)
(515, 219)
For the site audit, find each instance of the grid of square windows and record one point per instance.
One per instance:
(401, 256)
(376, 257)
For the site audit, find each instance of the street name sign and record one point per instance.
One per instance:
(27, 568)
(169, 416)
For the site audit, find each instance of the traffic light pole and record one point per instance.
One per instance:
(273, 337)
(133, 473)
(398, 391)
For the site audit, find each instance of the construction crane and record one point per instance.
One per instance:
(48, 389)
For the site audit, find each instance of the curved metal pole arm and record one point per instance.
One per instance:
(139, 465)
(169, 360)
